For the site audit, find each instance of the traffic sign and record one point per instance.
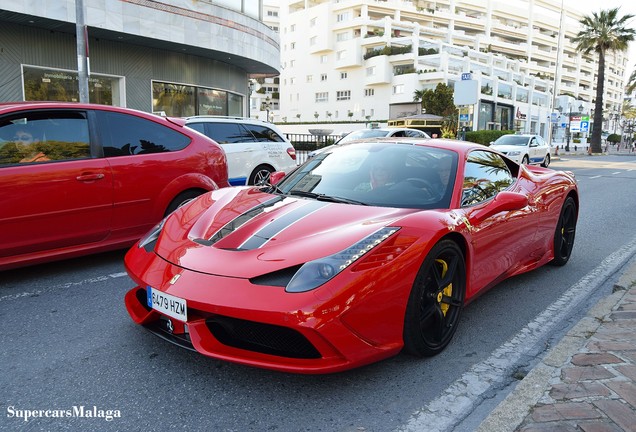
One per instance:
(467, 76)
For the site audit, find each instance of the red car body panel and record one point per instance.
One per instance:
(358, 316)
(62, 209)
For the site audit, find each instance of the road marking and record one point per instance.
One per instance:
(62, 286)
(463, 396)
(595, 177)
(617, 172)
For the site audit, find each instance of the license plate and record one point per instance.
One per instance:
(167, 304)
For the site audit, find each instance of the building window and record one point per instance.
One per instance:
(323, 77)
(342, 17)
(323, 59)
(272, 13)
(61, 85)
(310, 78)
(369, 92)
(179, 100)
(343, 75)
(398, 89)
(292, 28)
(343, 36)
(371, 71)
(341, 55)
(292, 45)
(343, 95)
(312, 22)
(322, 97)
(292, 63)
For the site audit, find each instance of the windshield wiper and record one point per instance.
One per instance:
(270, 188)
(323, 197)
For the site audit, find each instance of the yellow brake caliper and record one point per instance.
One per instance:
(446, 291)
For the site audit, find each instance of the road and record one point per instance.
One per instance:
(68, 342)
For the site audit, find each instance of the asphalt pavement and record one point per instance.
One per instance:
(587, 382)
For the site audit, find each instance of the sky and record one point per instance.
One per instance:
(626, 7)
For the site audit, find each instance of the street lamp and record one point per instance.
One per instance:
(266, 106)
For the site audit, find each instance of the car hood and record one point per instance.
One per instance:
(243, 232)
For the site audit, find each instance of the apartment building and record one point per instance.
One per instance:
(364, 59)
(181, 57)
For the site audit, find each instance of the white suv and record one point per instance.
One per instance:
(254, 148)
(524, 149)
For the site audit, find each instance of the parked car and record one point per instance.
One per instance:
(82, 178)
(254, 148)
(366, 134)
(367, 250)
(524, 149)
(381, 133)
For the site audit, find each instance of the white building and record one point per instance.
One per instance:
(364, 59)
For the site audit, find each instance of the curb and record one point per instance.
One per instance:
(511, 412)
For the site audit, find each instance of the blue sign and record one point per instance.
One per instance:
(554, 117)
(464, 117)
(467, 76)
(585, 126)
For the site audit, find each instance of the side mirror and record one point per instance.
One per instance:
(503, 201)
(276, 177)
(492, 142)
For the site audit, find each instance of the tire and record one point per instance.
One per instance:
(546, 161)
(181, 199)
(564, 233)
(525, 160)
(436, 301)
(260, 175)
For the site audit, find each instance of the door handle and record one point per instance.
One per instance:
(89, 177)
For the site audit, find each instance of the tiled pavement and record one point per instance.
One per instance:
(588, 381)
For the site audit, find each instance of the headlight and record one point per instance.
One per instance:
(315, 273)
(514, 153)
(148, 241)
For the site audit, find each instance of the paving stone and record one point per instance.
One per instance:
(578, 390)
(599, 426)
(619, 412)
(565, 411)
(590, 359)
(625, 390)
(586, 373)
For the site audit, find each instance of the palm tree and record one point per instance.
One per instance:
(602, 32)
(631, 82)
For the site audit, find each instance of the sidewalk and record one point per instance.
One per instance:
(587, 382)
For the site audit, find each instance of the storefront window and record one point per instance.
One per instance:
(63, 86)
(182, 101)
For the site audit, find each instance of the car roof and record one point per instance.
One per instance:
(227, 119)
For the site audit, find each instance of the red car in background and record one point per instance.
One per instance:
(365, 250)
(83, 178)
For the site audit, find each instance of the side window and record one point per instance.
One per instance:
(533, 142)
(228, 133)
(199, 127)
(124, 134)
(485, 175)
(263, 133)
(44, 136)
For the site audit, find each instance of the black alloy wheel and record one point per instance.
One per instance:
(565, 232)
(436, 300)
(260, 176)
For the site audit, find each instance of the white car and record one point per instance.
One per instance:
(523, 149)
(365, 134)
(254, 148)
(382, 132)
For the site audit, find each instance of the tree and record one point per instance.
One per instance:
(631, 82)
(602, 32)
(438, 102)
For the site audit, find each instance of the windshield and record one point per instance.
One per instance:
(378, 174)
(515, 140)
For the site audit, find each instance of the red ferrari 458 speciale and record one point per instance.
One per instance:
(365, 250)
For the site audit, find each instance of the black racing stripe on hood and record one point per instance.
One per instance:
(238, 221)
(270, 230)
